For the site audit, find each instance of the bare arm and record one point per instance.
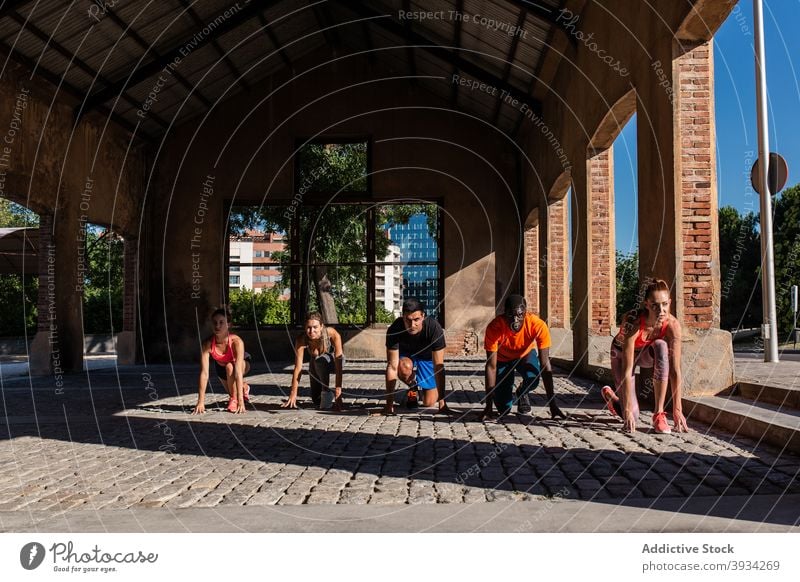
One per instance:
(490, 380)
(392, 361)
(338, 354)
(203, 380)
(628, 395)
(299, 350)
(673, 338)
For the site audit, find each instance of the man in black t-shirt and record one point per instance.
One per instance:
(415, 354)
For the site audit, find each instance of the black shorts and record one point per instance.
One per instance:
(222, 374)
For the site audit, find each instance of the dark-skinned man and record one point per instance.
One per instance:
(415, 355)
(512, 341)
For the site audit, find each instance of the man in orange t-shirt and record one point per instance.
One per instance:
(509, 342)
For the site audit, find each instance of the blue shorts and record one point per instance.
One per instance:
(423, 369)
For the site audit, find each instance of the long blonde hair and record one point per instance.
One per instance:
(326, 341)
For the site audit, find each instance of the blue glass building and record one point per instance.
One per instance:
(419, 245)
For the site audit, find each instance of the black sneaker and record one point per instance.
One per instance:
(411, 399)
(523, 404)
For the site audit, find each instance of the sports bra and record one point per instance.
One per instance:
(640, 342)
(225, 358)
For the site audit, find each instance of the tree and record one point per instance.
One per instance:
(103, 281)
(333, 237)
(740, 263)
(627, 282)
(786, 234)
(18, 293)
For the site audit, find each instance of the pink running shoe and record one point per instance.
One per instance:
(660, 423)
(247, 393)
(233, 406)
(608, 395)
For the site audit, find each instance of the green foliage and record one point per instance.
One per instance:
(18, 293)
(332, 168)
(333, 237)
(103, 282)
(740, 262)
(786, 233)
(252, 309)
(627, 282)
(13, 215)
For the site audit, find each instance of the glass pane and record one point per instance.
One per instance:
(336, 233)
(388, 289)
(339, 293)
(408, 233)
(413, 228)
(258, 278)
(422, 282)
(331, 168)
(259, 296)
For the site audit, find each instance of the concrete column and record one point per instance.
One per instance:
(126, 339)
(532, 267)
(58, 345)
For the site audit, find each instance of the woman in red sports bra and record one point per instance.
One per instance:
(651, 338)
(231, 363)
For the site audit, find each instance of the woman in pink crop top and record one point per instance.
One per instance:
(651, 338)
(231, 363)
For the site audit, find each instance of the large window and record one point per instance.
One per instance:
(331, 249)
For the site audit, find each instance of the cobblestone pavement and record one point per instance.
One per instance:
(123, 438)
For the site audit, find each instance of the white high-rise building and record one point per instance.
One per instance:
(389, 282)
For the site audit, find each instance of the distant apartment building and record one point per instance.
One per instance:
(389, 281)
(419, 253)
(254, 261)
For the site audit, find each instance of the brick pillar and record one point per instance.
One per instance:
(532, 267)
(40, 360)
(603, 260)
(557, 265)
(700, 287)
(126, 339)
(678, 205)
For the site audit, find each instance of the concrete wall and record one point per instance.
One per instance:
(420, 150)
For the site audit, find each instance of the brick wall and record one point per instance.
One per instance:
(694, 72)
(602, 267)
(531, 254)
(557, 266)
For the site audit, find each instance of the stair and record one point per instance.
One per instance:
(767, 414)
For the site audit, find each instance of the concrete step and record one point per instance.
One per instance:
(783, 397)
(761, 421)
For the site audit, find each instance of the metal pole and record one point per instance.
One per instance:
(769, 329)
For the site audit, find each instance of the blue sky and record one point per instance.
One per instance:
(735, 99)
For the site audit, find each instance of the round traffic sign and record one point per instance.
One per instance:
(778, 174)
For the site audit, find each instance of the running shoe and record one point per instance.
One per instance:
(608, 395)
(247, 393)
(232, 405)
(523, 404)
(660, 423)
(411, 399)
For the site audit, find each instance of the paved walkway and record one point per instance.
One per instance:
(122, 440)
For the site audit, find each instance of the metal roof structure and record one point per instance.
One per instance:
(19, 249)
(153, 64)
